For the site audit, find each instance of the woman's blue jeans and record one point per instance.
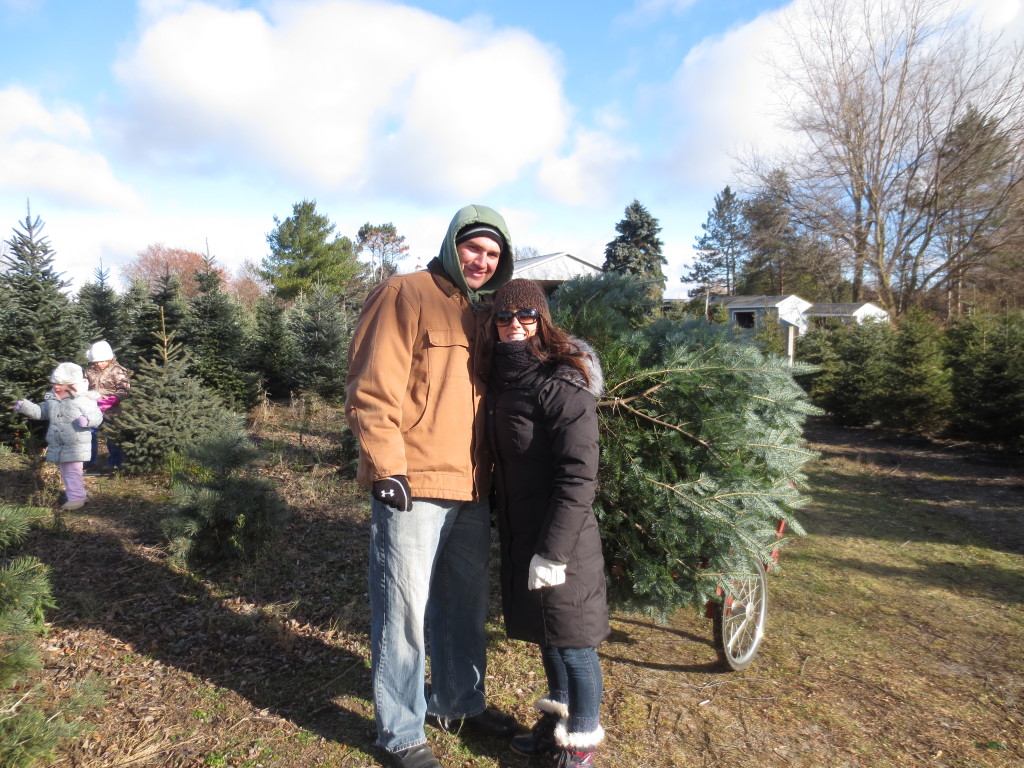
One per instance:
(428, 565)
(574, 678)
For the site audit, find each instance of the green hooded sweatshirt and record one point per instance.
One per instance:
(476, 214)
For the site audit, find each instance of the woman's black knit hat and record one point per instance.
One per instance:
(522, 294)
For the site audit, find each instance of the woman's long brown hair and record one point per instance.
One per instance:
(552, 344)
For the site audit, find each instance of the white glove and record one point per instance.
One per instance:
(545, 573)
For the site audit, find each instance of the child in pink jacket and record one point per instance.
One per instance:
(109, 383)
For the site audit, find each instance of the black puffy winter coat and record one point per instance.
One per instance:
(542, 425)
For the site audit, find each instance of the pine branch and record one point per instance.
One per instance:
(622, 403)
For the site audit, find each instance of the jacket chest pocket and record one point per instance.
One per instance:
(447, 352)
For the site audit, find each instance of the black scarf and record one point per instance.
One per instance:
(512, 363)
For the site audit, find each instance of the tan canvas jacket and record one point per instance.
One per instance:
(417, 369)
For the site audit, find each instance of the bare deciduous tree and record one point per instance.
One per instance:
(913, 120)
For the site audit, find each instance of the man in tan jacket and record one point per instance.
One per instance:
(417, 368)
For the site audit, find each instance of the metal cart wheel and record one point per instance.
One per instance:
(740, 619)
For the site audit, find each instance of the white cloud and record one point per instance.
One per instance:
(365, 95)
(1004, 17)
(647, 11)
(581, 177)
(83, 243)
(723, 101)
(49, 152)
(726, 95)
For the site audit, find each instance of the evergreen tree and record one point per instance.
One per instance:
(156, 313)
(41, 327)
(861, 380)
(173, 312)
(304, 250)
(605, 307)
(321, 331)
(139, 317)
(223, 512)
(101, 306)
(775, 262)
(721, 249)
(32, 724)
(215, 335)
(169, 409)
(817, 349)
(637, 250)
(918, 394)
(701, 450)
(273, 354)
(986, 356)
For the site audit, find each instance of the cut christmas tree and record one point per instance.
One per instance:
(702, 451)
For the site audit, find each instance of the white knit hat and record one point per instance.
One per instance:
(99, 351)
(70, 375)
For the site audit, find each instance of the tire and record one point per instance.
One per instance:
(740, 619)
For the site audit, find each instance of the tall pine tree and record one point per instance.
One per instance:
(637, 250)
(321, 331)
(273, 354)
(304, 249)
(215, 333)
(918, 396)
(986, 355)
(41, 327)
(101, 306)
(721, 249)
(136, 315)
(385, 248)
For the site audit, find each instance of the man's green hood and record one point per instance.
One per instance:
(476, 214)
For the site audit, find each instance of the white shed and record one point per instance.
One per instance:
(849, 312)
(753, 311)
(554, 269)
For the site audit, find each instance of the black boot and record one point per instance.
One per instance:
(541, 739)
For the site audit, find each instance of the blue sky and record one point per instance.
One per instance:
(193, 124)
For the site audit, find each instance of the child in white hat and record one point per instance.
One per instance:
(108, 379)
(69, 436)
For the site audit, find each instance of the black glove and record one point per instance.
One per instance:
(394, 491)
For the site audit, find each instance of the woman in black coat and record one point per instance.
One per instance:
(542, 426)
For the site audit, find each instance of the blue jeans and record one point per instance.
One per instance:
(427, 564)
(115, 456)
(574, 678)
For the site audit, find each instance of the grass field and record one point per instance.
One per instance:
(895, 638)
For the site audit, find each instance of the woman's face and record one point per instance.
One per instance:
(517, 329)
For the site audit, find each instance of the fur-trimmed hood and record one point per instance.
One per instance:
(573, 376)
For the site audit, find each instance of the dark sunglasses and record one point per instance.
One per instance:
(524, 316)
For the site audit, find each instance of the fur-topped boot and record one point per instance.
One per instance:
(541, 739)
(576, 749)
